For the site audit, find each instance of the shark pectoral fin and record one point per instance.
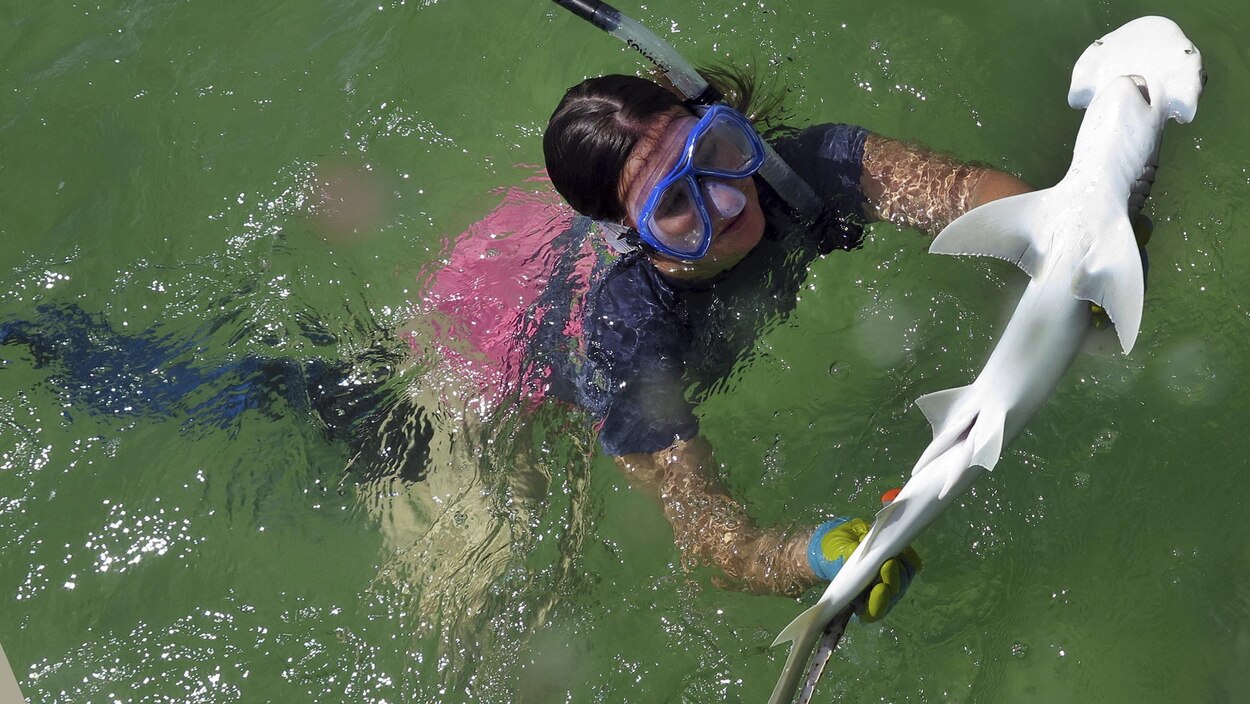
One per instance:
(1009, 229)
(803, 632)
(1110, 275)
(937, 406)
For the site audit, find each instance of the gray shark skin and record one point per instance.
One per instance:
(1075, 240)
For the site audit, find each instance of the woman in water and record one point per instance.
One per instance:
(713, 256)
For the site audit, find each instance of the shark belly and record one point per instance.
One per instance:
(1040, 341)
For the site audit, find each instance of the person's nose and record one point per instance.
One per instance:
(725, 200)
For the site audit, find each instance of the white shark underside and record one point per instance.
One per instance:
(1076, 242)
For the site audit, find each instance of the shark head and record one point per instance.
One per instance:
(1156, 54)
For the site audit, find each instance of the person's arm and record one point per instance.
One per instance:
(635, 363)
(711, 527)
(914, 187)
(637, 345)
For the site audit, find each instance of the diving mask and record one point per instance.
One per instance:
(676, 217)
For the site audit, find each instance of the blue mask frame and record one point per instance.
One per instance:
(685, 169)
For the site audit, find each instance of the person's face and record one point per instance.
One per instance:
(653, 157)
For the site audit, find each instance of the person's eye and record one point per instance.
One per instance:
(675, 205)
(711, 151)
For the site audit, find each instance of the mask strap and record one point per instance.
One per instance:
(622, 239)
(709, 97)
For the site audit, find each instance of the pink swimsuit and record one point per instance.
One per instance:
(509, 275)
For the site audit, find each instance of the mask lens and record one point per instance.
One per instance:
(727, 200)
(726, 148)
(676, 215)
(675, 220)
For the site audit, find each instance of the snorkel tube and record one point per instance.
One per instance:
(792, 189)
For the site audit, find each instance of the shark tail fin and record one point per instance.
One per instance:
(1110, 275)
(802, 633)
(1008, 229)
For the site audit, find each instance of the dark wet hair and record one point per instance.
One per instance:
(591, 134)
(599, 121)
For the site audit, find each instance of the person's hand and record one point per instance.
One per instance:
(832, 545)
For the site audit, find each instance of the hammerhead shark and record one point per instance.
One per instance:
(1075, 240)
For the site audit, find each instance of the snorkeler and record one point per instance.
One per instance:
(711, 255)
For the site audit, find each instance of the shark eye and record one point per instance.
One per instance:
(1190, 50)
(1097, 42)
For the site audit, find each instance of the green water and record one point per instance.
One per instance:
(161, 165)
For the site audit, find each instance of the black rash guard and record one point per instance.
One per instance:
(656, 346)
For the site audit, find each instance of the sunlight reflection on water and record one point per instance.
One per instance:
(277, 196)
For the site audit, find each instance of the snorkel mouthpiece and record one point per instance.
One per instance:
(726, 199)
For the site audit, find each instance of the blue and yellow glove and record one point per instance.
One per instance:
(833, 544)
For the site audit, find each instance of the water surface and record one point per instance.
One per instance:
(231, 181)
